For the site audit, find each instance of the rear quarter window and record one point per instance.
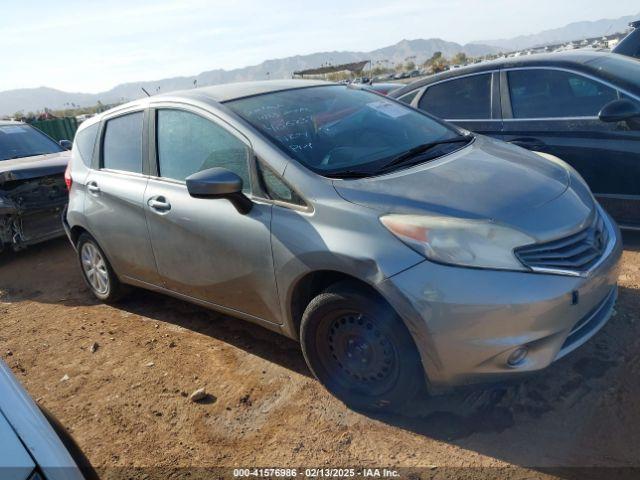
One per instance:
(84, 143)
(408, 97)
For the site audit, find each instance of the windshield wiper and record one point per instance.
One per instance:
(349, 174)
(419, 150)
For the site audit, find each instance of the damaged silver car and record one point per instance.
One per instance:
(32, 185)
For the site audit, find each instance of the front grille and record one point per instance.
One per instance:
(577, 252)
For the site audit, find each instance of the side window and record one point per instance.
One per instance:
(627, 97)
(84, 142)
(122, 147)
(460, 99)
(276, 188)
(539, 93)
(408, 97)
(188, 143)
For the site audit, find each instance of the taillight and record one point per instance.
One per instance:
(67, 176)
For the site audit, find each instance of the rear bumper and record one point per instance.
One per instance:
(467, 322)
(67, 227)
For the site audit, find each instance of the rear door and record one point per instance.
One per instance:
(114, 206)
(470, 101)
(556, 111)
(205, 249)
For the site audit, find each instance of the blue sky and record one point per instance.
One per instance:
(91, 46)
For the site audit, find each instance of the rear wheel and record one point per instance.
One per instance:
(97, 271)
(359, 348)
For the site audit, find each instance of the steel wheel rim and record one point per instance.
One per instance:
(94, 268)
(359, 354)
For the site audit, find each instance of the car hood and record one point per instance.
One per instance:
(32, 431)
(15, 461)
(32, 167)
(488, 179)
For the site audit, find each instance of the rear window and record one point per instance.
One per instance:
(20, 140)
(84, 142)
(122, 147)
(460, 99)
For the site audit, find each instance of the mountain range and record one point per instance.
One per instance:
(572, 31)
(35, 99)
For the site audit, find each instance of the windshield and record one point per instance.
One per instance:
(337, 129)
(17, 141)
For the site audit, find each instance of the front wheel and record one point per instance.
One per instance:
(359, 348)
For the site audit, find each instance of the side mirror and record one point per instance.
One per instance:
(219, 183)
(619, 111)
(66, 144)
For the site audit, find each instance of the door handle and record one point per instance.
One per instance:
(159, 204)
(93, 188)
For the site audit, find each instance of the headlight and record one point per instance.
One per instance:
(472, 243)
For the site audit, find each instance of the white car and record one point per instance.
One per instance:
(34, 446)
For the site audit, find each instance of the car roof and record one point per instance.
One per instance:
(581, 60)
(10, 122)
(233, 91)
(214, 94)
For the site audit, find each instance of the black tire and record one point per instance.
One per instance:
(359, 349)
(113, 290)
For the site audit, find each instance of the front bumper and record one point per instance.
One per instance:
(467, 322)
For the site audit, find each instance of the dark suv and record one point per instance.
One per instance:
(581, 106)
(630, 45)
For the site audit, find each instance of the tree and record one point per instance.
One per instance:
(410, 65)
(437, 56)
(379, 71)
(437, 63)
(459, 58)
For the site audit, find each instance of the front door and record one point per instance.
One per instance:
(556, 111)
(205, 248)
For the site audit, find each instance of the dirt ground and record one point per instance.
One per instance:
(126, 403)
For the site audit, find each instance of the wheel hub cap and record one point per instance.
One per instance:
(95, 268)
(360, 349)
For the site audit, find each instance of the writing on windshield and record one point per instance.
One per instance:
(335, 128)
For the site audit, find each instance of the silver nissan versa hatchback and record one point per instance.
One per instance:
(394, 246)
